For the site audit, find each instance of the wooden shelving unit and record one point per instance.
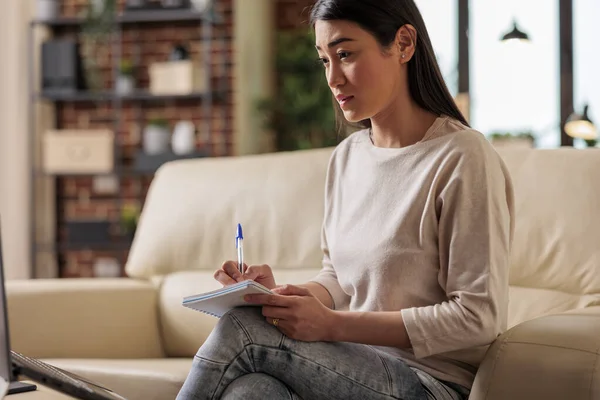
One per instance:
(132, 168)
(137, 17)
(141, 96)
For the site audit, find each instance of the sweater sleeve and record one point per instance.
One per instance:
(475, 228)
(327, 277)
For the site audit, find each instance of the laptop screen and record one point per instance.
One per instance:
(5, 361)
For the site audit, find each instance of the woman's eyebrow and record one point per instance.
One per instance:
(336, 42)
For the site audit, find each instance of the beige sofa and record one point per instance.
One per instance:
(134, 336)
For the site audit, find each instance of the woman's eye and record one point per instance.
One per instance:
(343, 54)
(322, 60)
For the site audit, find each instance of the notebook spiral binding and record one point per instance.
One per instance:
(204, 312)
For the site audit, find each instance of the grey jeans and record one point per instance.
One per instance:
(244, 357)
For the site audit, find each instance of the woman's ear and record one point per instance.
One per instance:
(406, 40)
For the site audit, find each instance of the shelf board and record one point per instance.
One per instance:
(54, 247)
(112, 197)
(122, 173)
(76, 96)
(134, 17)
(142, 96)
(137, 17)
(144, 165)
(56, 22)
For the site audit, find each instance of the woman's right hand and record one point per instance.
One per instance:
(229, 274)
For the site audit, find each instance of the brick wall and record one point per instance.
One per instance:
(293, 14)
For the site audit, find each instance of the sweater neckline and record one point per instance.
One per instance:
(430, 133)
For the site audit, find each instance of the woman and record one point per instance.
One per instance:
(416, 238)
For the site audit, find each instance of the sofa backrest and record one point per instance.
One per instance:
(555, 258)
(192, 209)
(189, 219)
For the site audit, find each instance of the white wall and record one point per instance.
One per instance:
(14, 167)
(254, 29)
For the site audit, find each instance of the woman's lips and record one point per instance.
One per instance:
(343, 100)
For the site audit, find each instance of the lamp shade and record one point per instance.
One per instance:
(580, 126)
(515, 34)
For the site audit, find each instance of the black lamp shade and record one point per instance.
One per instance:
(515, 34)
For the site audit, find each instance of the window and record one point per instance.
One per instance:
(441, 19)
(586, 60)
(515, 87)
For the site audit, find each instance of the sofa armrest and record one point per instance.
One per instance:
(551, 357)
(84, 318)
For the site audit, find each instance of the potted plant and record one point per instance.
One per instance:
(47, 9)
(130, 215)
(301, 112)
(96, 33)
(156, 136)
(125, 81)
(505, 139)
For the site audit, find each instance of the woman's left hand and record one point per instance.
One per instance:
(296, 313)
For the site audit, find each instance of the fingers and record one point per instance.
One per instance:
(229, 273)
(255, 271)
(224, 279)
(291, 290)
(278, 312)
(231, 269)
(269, 300)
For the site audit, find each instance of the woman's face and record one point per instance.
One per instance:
(363, 77)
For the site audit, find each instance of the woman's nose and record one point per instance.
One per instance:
(335, 76)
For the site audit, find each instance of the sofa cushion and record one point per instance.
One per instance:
(144, 379)
(528, 303)
(193, 206)
(41, 392)
(184, 330)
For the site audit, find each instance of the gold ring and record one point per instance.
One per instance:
(275, 321)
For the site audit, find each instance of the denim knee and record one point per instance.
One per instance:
(238, 328)
(255, 326)
(257, 386)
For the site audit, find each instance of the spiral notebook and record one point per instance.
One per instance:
(218, 302)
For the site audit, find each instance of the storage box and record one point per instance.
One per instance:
(88, 232)
(177, 78)
(78, 151)
(151, 162)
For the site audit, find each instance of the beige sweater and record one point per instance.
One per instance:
(426, 230)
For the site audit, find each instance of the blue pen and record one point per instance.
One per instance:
(239, 239)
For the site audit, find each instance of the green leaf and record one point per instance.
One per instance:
(301, 113)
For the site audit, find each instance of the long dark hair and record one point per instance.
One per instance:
(383, 18)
